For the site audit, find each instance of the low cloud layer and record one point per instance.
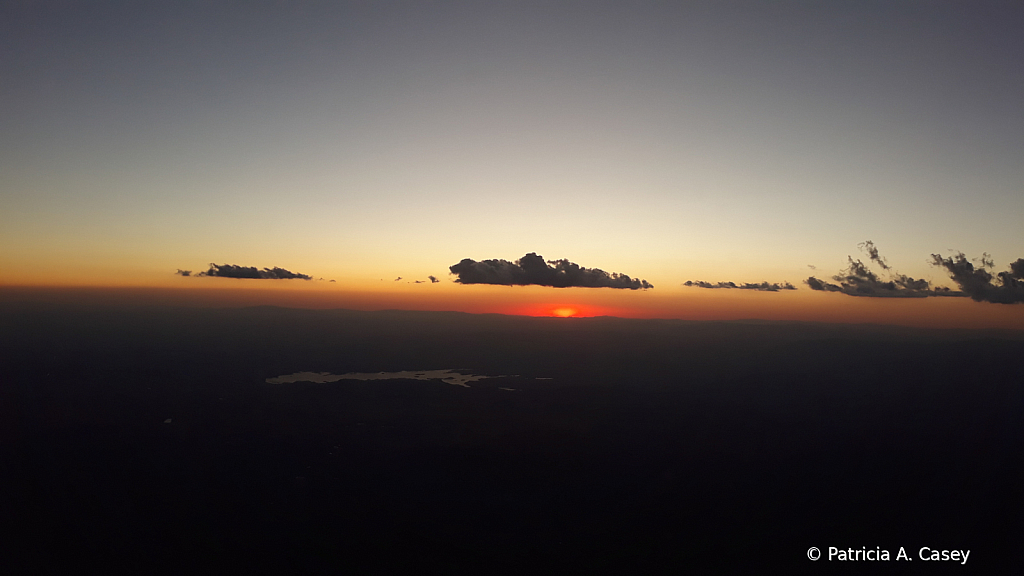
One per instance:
(980, 284)
(533, 269)
(763, 286)
(251, 272)
(858, 280)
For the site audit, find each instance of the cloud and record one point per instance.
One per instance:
(762, 287)
(816, 284)
(980, 284)
(397, 279)
(232, 271)
(181, 272)
(858, 280)
(533, 269)
(868, 247)
(431, 279)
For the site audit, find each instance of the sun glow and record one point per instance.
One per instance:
(564, 312)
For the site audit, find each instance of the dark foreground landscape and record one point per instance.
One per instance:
(645, 446)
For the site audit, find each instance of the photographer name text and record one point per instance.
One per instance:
(877, 554)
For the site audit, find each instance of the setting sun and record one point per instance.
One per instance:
(564, 312)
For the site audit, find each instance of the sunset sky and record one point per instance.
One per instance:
(362, 142)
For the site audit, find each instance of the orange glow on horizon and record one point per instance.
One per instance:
(564, 310)
(806, 306)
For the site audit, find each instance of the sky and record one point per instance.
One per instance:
(361, 142)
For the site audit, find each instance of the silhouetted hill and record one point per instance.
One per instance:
(648, 446)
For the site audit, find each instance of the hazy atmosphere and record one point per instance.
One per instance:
(361, 142)
(401, 287)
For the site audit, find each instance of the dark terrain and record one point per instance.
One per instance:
(656, 446)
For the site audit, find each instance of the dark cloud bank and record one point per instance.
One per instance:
(976, 282)
(232, 271)
(533, 269)
(981, 285)
(859, 280)
(762, 287)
